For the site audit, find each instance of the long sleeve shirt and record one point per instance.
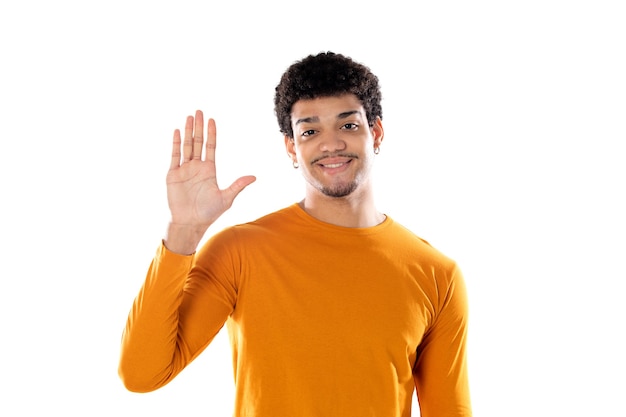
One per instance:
(323, 320)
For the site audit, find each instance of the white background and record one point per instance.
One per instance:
(504, 147)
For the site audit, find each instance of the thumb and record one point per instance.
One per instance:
(237, 186)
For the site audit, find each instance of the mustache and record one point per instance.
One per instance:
(335, 155)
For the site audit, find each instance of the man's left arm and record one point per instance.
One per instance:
(440, 372)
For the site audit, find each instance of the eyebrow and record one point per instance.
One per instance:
(316, 119)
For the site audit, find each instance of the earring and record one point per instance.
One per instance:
(295, 164)
(376, 150)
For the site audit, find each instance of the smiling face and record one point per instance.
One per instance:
(333, 144)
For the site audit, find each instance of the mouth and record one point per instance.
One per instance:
(334, 166)
(334, 162)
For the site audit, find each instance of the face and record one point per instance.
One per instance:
(333, 144)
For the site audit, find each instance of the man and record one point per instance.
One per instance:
(332, 308)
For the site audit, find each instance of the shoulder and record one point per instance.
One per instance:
(416, 246)
(263, 227)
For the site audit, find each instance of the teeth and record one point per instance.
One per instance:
(333, 165)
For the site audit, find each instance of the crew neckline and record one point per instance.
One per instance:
(300, 212)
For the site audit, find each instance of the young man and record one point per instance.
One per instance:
(332, 308)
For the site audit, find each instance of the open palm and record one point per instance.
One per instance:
(193, 194)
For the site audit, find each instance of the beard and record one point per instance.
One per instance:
(339, 191)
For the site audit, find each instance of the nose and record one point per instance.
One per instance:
(332, 142)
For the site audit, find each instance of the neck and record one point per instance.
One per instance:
(350, 211)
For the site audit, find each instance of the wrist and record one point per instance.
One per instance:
(183, 239)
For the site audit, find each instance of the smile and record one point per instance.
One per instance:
(332, 165)
(335, 161)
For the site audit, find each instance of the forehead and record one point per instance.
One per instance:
(326, 107)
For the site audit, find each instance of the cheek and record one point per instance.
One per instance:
(301, 149)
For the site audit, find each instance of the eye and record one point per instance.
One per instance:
(308, 132)
(350, 126)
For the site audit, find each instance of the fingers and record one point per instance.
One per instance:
(192, 143)
(193, 140)
(211, 141)
(198, 136)
(188, 140)
(175, 162)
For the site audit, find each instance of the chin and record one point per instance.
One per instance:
(339, 191)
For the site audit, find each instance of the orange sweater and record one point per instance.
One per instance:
(323, 320)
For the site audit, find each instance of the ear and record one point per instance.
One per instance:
(290, 147)
(378, 132)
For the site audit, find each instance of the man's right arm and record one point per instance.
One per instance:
(166, 327)
(152, 352)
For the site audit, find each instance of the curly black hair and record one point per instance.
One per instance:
(326, 74)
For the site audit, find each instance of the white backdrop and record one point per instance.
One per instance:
(504, 147)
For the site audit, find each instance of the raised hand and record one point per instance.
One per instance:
(194, 197)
